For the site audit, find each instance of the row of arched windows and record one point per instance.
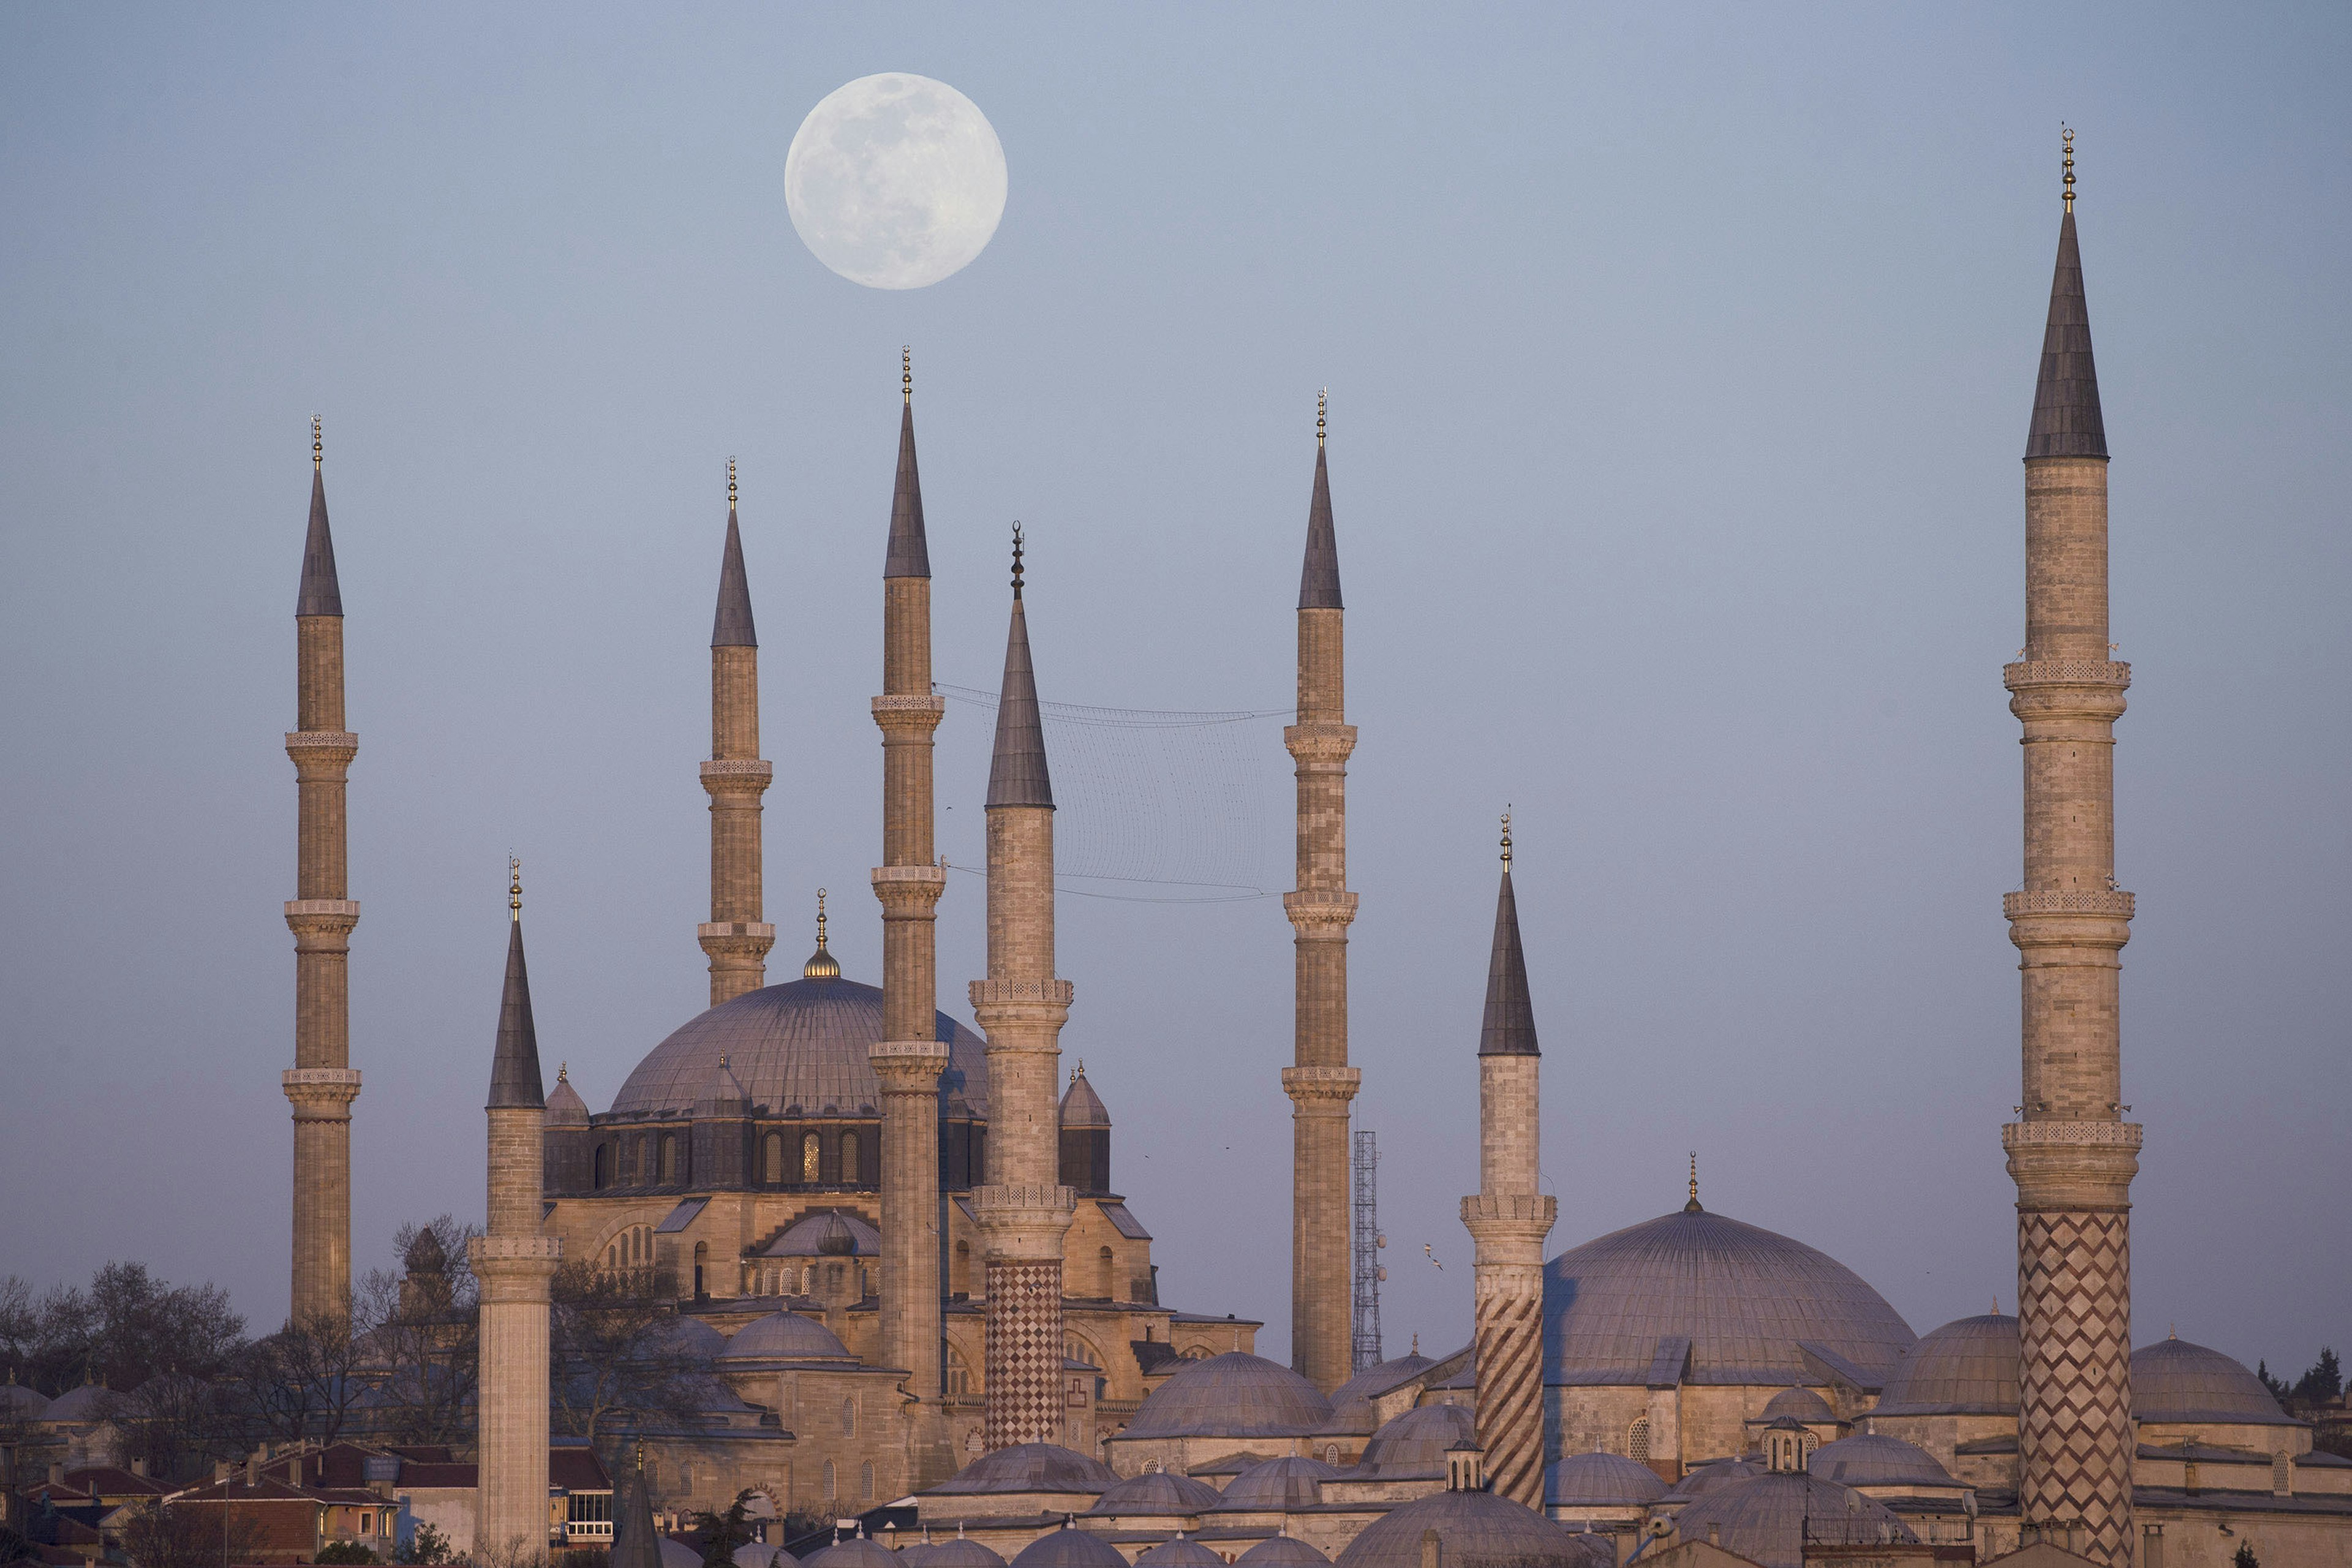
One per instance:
(645, 1159)
(864, 1482)
(633, 1248)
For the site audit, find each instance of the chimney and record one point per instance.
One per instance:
(57, 1472)
(2151, 1552)
(139, 1468)
(253, 1469)
(1433, 1555)
(1714, 1535)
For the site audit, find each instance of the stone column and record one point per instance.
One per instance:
(736, 937)
(2071, 1153)
(1321, 1083)
(322, 1083)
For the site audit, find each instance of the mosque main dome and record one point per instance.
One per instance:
(1750, 1303)
(798, 1048)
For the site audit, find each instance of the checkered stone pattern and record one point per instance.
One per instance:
(2074, 1428)
(1022, 1360)
(1508, 1332)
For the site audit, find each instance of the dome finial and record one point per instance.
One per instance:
(2068, 132)
(564, 1072)
(514, 887)
(1078, 1071)
(1692, 1207)
(822, 966)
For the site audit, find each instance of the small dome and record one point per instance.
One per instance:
(1232, 1395)
(1277, 1484)
(759, 1554)
(1067, 1548)
(1766, 1517)
(678, 1554)
(90, 1402)
(1871, 1460)
(1797, 1404)
(564, 1106)
(957, 1551)
(1601, 1480)
(1479, 1530)
(1701, 1479)
(1281, 1552)
(19, 1402)
(1029, 1468)
(1156, 1491)
(687, 1338)
(2173, 1380)
(1181, 1553)
(857, 1552)
(1965, 1368)
(1081, 1106)
(1414, 1443)
(782, 1336)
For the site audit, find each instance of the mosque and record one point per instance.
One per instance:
(897, 1246)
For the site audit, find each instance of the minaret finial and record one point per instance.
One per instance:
(1016, 558)
(1322, 413)
(1692, 1207)
(730, 484)
(2068, 132)
(907, 372)
(318, 444)
(514, 887)
(564, 1072)
(820, 919)
(821, 964)
(1507, 838)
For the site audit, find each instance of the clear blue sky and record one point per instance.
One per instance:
(1680, 362)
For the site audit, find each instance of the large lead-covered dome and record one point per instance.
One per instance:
(799, 1050)
(1747, 1302)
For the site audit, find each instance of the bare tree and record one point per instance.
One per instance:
(423, 1335)
(312, 1378)
(163, 1536)
(614, 1351)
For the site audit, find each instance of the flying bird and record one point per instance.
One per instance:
(1427, 1252)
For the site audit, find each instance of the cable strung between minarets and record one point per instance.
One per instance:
(908, 1058)
(1023, 1211)
(1319, 1082)
(1508, 1218)
(737, 937)
(322, 1083)
(2071, 1153)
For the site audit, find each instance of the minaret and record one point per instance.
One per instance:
(910, 1055)
(736, 937)
(1508, 1219)
(2071, 1153)
(1025, 1210)
(321, 1084)
(513, 1261)
(1320, 1084)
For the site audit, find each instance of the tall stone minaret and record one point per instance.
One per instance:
(1321, 1083)
(736, 937)
(910, 1055)
(514, 1261)
(1024, 1211)
(321, 1084)
(2073, 1154)
(1508, 1219)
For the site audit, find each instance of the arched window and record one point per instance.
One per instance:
(849, 1417)
(849, 1158)
(641, 1170)
(1104, 1265)
(959, 1271)
(1331, 1455)
(772, 1158)
(866, 1481)
(959, 1375)
(810, 1149)
(828, 1480)
(1637, 1439)
(701, 1257)
(668, 1160)
(604, 1173)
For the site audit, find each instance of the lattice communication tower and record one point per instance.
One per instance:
(1367, 1243)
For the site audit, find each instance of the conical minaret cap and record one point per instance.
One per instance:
(515, 1083)
(320, 595)
(732, 626)
(2067, 420)
(1510, 1025)
(1016, 773)
(1318, 578)
(635, 1542)
(910, 552)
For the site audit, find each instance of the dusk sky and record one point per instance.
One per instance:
(1680, 361)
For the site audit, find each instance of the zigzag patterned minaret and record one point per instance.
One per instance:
(1024, 1211)
(514, 1261)
(1321, 1083)
(2071, 1154)
(321, 1084)
(910, 1055)
(1508, 1218)
(736, 936)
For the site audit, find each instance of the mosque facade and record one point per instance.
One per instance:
(897, 1246)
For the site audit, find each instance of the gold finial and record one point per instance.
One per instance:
(564, 1072)
(2066, 131)
(514, 887)
(1322, 413)
(1016, 558)
(318, 445)
(1507, 838)
(822, 966)
(907, 372)
(1078, 1072)
(820, 917)
(730, 484)
(1692, 1207)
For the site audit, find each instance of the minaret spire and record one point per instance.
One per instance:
(1023, 1211)
(1508, 1217)
(738, 936)
(322, 1083)
(909, 1056)
(2071, 1154)
(1319, 1082)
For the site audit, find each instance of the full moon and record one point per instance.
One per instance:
(896, 180)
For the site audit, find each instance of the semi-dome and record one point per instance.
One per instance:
(1068, 1548)
(1235, 1394)
(1029, 1468)
(1798, 1403)
(1282, 1552)
(781, 1336)
(1966, 1368)
(826, 1233)
(1414, 1443)
(1601, 1480)
(1746, 1299)
(1156, 1491)
(2173, 1380)
(1766, 1517)
(1878, 1460)
(797, 1049)
(1478, 1529)
(1180, 1553)
(1277, 1486)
